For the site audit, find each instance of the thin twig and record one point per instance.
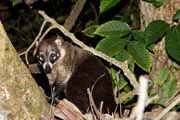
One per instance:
(29, 48)
(92, 88)
(22, 53)
(173, 97)
(91, 100)
(69, 26)
(122, 65)
(93, 106)
(167, 109)
(117, 89)
(26, 57)
(101, 107)
(151, 99)
(37, 37)
(52, 101)
(117, 98)
(127, 95)
(46, 32)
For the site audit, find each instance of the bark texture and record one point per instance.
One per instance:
(165, 12)
(20, 97)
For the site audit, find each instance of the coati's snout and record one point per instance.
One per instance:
(47, 68)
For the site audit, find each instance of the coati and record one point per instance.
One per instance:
(72, 70)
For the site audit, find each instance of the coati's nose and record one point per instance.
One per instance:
(47, 69)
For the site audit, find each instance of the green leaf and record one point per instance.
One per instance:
(111, 45)
(140, 55)
(167, 91)
(177, 15)
(161, 76)
(156, 3)
(151, 47)
(113, 73)
(118, 79)
(155, 30)
(113, 28)
(122, 82)
(90, 30)
(173, 43)
(107, 4)
(139, 35)
(122, 55)
(131, 65)
(15, 2)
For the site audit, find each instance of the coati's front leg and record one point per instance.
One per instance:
(58, 92)
(58, 82)
(57, 87)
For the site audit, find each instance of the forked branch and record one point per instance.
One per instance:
(121, 65)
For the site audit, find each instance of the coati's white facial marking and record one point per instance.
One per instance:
(53, 55)
(46, 65)
(49, 53)
(63, 53)
(40, 58)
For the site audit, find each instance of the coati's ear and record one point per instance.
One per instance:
(59, 40)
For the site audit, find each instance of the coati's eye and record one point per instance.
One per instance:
(53, 57)
(41, 58)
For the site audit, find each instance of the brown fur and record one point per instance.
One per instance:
(82, 70)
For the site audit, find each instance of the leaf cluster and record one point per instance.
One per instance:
(137, 47)
(114, 25)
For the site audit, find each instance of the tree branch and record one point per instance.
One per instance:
(71, 20)
(121, 65)
(167, 109)
(37, 37)
(138, 110)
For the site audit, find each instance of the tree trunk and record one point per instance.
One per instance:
(20, 97)
(165, 12)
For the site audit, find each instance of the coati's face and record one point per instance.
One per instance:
(48, 53)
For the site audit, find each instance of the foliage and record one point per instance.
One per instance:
(114, 27)
(15, 2)
(140, 55)
(107, 4)
(167, 85)
(176, 16)
(154, 31)
(161, 76)
(173, 43)
(118, 38)
(137, 47)
(167, 91)
(156, 3)
(90, 30)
